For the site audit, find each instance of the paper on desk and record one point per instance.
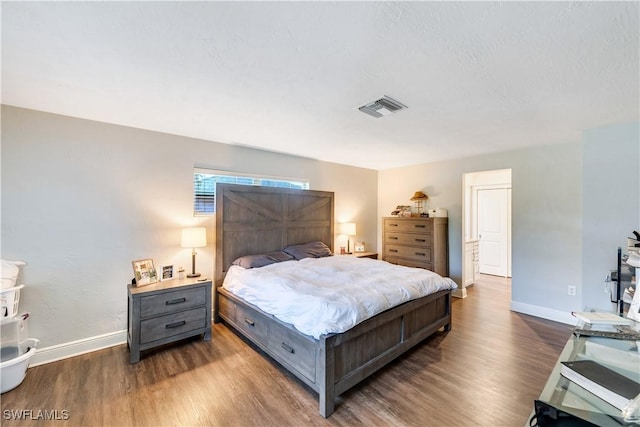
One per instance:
(601, 318)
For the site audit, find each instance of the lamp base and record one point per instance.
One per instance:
(193, 266)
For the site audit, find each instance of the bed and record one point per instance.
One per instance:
(260, 220)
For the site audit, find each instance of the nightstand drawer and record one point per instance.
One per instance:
(172, 324)
(170, 302)
(407, 239)
(417, 254)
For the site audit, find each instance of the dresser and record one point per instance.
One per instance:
(417, 242)
(165, 312)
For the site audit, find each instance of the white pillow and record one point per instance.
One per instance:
(9, 271)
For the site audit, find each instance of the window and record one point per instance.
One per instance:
(204, 186)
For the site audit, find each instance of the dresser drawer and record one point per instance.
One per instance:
(407, 239)
(410, 225)
(418, 254)
(297, 351)
(170, 302)
(172, 324)
(410, 263)
(251, 323)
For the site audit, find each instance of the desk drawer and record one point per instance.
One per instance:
(421, 240)
(411, 225)
(172, 324)
(417, 254)
(297, 351)
(170, 302)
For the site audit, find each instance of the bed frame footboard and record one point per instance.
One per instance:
(337, 362)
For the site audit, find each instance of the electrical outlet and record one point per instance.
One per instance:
(571, 290)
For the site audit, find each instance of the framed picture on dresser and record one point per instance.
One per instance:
(167, 272)
(144, 272)
(359, 247)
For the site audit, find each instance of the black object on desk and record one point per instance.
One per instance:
(547, 415)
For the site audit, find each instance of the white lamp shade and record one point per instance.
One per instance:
(347, 229)
(195, 237)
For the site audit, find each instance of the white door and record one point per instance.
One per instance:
(493, 231)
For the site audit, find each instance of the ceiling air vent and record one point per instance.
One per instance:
(384, 106)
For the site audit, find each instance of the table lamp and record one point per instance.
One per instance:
(193, 238)
(419, 198)
(347, 229)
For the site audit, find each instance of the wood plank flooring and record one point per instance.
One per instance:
(485, 372)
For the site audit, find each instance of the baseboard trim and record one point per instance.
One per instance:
(459, 293)
(543, 312)
(76, 348)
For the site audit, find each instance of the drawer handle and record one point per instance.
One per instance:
(420, 253)
(175, 301)
(393, 225)
(176, 324)
(393, 250)
(421, 240)
(419, 225)
(250, 322)
(393, 238)
(288, 348)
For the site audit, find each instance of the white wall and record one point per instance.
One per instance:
(82, 199)
(611, 204)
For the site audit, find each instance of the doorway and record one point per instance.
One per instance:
(493, 236)
(486, 228)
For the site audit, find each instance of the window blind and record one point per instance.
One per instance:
(205, 180)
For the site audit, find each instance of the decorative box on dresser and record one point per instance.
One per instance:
(417, 242)
(167, 311)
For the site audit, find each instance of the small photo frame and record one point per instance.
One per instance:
(359, 247)
(144, 272)
(167, 272)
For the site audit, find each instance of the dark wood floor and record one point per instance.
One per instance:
(485, 372)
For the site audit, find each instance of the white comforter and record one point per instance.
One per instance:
(324, 295)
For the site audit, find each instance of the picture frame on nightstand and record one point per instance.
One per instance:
(144, 272)
(167, 272)
(359, 247)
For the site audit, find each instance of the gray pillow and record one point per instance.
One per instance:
(260, 260)
(308, 250)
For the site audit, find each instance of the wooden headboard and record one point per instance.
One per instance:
(254, 220)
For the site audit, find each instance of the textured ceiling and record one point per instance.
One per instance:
(478, 77)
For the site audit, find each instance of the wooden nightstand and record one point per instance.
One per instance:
(167, 311)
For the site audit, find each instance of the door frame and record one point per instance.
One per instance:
(499, 178)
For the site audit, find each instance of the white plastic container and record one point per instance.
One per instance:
(14, 332)
(9, 299)
(14, 369)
